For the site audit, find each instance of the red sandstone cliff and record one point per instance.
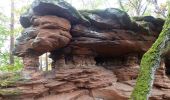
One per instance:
(96, 54)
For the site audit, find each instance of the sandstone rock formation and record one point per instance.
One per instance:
(96, 54)
(46, 34)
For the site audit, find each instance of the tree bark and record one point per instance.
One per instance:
(150, 62)
(41, 63)
(12, 33)
(46, 61)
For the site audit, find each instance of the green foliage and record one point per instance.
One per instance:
(4, 38)
(4, 31)
(12, 68)
(144, 7)
(6, 67)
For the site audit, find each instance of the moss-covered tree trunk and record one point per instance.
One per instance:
(150, 62)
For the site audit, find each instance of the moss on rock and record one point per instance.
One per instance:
(9, 92)
(150, 62)
(9, 79)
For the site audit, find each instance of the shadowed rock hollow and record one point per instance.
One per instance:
(96, 54)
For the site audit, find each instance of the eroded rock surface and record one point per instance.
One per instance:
(85, 83)
(46, 34)
(96, 54)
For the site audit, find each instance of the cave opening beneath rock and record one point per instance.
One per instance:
(118, 61)
(109, 61)
(167, 66)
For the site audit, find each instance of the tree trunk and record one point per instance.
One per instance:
(41, 63)
(150, 62)
(12, 33)
(46, 61)
(121, 5)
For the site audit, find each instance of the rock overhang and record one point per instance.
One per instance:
(110, 29)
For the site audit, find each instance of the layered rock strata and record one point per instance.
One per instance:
(96, 54)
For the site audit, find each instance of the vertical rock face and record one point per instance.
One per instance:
(96, 54)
